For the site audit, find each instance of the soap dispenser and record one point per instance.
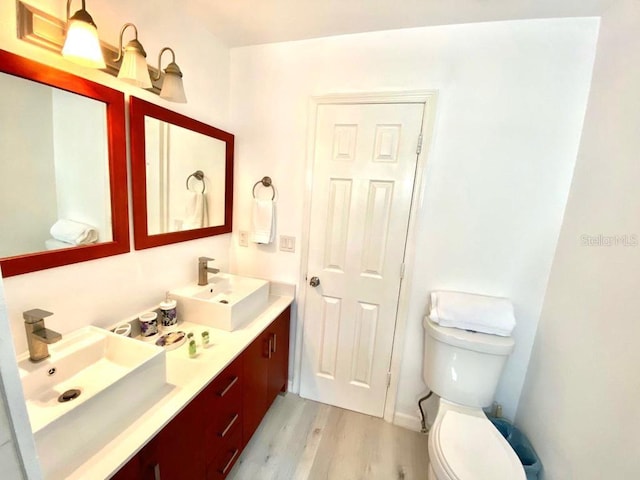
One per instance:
(168, 313)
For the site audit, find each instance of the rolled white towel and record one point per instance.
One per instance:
(53, 244)
(75, 233)
(469, 311)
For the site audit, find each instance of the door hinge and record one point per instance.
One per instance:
(388, 379)
(402, 270)
(419, 147)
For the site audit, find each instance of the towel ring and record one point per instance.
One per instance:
(266, 182)
(199, 175)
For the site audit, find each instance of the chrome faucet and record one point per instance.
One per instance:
(38, 337)
(203, 269)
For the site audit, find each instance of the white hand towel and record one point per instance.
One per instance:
(469, 311)
(75, 233)
(263, 221)
(196, 215)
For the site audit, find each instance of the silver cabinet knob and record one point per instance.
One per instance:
(314, 282)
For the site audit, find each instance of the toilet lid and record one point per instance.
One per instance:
(471, 448)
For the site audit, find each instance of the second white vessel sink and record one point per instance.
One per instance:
(227, 302)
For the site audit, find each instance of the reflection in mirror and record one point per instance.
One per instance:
(178, 198)
(182, 175)
(63, 184)
(54, 173)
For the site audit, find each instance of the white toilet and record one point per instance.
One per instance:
(463, 369)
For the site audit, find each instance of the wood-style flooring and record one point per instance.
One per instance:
(304, 440)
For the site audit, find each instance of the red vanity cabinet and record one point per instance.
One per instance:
(266, 367)
(174, 453)
(206, 438)
(178, 451)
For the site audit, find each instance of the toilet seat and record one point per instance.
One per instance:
(464, 445)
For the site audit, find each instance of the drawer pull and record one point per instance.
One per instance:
(226, 430)
(156, 471)
(226, 467)
(228, 387)
(270, 347)
(275, 338)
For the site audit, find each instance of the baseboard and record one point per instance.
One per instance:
(407, 421)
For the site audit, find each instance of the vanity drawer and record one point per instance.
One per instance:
(227, 455)
(226, 399)
(224, 410)
(227, 383)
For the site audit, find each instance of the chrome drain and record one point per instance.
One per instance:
(69, 395)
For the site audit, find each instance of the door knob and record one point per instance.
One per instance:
(314, 282)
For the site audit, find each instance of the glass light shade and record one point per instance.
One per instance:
(134, 69)
(82, 45)
(172, 88)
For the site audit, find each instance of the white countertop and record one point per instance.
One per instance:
(186, 378)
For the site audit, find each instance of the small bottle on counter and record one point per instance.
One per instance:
(205, 339)
(193, 352)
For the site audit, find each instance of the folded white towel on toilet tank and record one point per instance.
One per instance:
(469, 311)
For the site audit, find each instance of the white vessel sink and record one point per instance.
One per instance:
(117, 378)
(227, 302)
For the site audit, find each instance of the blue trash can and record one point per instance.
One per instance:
(521, 446)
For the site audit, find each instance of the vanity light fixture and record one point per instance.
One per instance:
(134, 64)
(82, 44)
(44, 30)
(172, 88)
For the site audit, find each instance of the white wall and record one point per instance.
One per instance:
(104, 291)
(580, 401)
(509, 115)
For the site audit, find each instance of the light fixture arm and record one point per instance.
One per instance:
(69, 8)
(171, 68)
(135, 44)
(81, 14)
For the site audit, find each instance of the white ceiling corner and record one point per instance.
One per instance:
(250, 22)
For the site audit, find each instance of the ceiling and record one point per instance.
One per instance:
(250, 22)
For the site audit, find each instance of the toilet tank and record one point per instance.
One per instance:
(462, 366)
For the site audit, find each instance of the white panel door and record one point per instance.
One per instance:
(365, 161)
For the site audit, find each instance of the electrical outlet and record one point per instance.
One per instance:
(287, 244)
(243, 238)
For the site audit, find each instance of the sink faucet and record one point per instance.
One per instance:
(203, 269)
(38, 337)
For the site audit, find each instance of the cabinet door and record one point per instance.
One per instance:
(256, 384)
(132, 470)
(179, 447)
(279, 362)
(142, 466)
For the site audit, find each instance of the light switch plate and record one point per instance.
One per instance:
(243, 238)
(287, 243)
